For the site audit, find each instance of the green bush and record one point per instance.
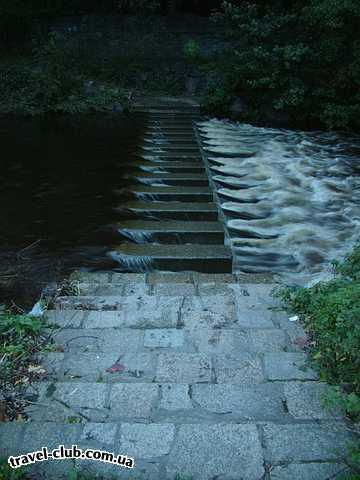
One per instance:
(20, 338)
(302, 58)
(8, 473)
(53, 81)
(330, 312)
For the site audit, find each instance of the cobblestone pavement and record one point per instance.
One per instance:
(211, 383)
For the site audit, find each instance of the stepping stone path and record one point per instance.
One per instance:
(191, 374)
(195, 375)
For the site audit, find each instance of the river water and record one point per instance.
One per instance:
(290, 199)
(57, 179)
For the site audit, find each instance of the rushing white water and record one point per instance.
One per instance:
(291, 199)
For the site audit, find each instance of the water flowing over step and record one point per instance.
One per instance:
(172, 231)
(197, 194)
(170, 210)
(176, 258)
(170, 178)
(163, 167)
(166, 215)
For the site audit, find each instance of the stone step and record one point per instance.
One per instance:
(169, 126)
(158, 403)
(97, 335)
(131, 307)
(187, 179)
(200, 258)
(99, 277)
(160, 137)
(190, 149)
(155, 110)
(198, 449)
(164, 167)
(176, 107)
(173, 117)
(151, 366)
(170, 210)
(129, 304)
(186, 194)
(170, 131)
(176, 129)
(164, 109)
(170, 157)
(171, 231)
(165, 140)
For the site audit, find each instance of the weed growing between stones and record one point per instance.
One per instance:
(7, 473)
(330, 312)
(22, 338)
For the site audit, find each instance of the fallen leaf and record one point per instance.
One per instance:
(117, 367)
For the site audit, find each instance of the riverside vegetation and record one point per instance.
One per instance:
(294, 61)
(330, 312)
(51, 80)
(66, 70)
(22, 338)
(298, 60)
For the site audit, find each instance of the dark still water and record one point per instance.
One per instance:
(56, 190)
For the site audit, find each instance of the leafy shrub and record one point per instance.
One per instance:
(302, 58)
(22, 338)
(330, 312)
(8, 473)
(53, 82)
(19, 339)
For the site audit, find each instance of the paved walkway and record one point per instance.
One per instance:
(190, 374)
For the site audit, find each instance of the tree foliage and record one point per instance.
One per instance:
(52, 80)
(302, 58)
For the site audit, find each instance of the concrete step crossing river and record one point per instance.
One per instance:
(167, 217)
